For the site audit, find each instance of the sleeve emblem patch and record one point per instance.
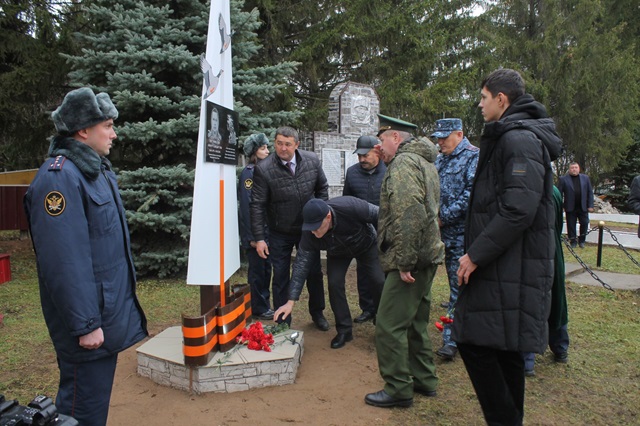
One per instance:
(248, 184)
(54, 203)
(519, 169)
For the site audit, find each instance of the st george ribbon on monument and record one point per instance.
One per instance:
(201, 355)
(214, 250)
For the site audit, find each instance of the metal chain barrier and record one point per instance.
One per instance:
(614, 238)
(584, 265)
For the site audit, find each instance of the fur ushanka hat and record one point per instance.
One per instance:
(253, 142)
(81, 109)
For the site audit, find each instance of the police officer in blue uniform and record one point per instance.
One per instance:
(85, 268)
(255, 148)
(456, 166)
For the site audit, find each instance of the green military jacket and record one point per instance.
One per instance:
(408, 232)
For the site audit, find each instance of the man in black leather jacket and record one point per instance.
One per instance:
(282, 184)
(345, 228)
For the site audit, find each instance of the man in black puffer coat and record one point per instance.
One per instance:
(282, 184)
(507, 271)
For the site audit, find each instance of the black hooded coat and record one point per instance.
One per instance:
(509, 233)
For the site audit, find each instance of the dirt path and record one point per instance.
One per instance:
(329, 390)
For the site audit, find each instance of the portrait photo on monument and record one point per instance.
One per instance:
(220, 140)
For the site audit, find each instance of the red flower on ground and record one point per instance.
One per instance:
(255, 338)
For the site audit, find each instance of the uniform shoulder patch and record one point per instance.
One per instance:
(54, 203)
(248, 183)
(57, 163)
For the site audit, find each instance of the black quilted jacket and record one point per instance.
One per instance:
(278, 197)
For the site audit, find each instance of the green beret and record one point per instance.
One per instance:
(390, 123)
(253, 142)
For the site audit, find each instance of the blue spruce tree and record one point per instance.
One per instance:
(145, 54)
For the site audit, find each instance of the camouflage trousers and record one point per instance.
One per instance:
(453, 252)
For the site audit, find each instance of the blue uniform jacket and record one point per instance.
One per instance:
(85, 268)
(245, 185)
(456, 172)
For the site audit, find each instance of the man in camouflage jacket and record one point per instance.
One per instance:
(410, 251)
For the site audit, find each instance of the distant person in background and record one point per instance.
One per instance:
(558, 318)
(634, 198)
(578, 202)
(456, 166)
(363, 181)
(256, 148)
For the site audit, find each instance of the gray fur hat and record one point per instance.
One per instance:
(81, 109)
(253, 142)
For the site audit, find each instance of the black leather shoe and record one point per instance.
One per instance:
(383, 399)
(562, 357)
(364, 317)
(321, 323)
(529, 373)
(447, 352)
(265, 316)
(340, 339)
(425, 392)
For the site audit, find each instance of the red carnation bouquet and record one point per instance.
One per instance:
(445, 319)
(255, 338)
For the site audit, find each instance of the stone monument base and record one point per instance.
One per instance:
(239, 369)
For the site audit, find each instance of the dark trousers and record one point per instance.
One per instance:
(365, 296)
(498, 379)
(85, 390)
(280, 250)
(559, 340)
(572, 218)
(336, 272)
(259, 277)
(558, 343)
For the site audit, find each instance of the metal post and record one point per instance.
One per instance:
(600, 231)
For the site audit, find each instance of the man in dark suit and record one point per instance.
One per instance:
(578, 202)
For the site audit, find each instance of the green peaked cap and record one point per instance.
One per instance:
(390, 123)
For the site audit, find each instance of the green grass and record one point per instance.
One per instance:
(599, 386)
(614, 259)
